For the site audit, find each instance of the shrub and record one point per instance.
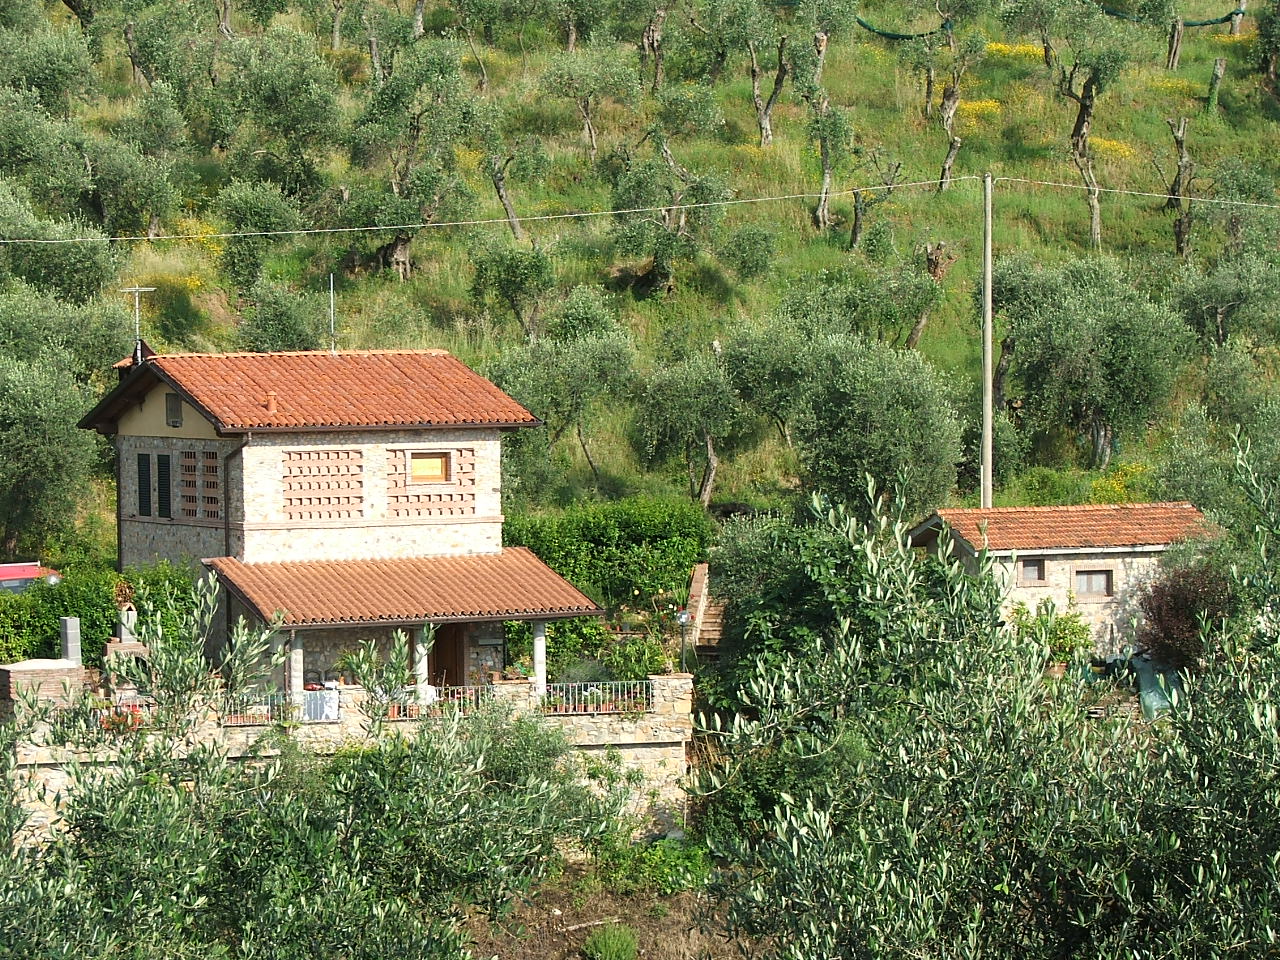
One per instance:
(618, 551)
(749, 251)
(614, 942)
(1062, 634)
(664, 867)
(1178, 609)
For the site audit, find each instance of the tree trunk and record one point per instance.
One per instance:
(1220, 326)
(709, 474)
(950, 104)
(375, 53)
(1046, 48)
(944, 179)
(484, 74)
(930, 81)
(764, 108)
(859, 219)
(651, 46)
(335, 37)
(83, 12)
(498, 174)
(571, 38)
(1175, 45)
(1001, 373)
(153, 227)
(588, 128)
(1236, 18)
(1215, 82)
(1179, 190)
(582, 442)
(139, 65)
(1080, 154)
(224, 17)
(419, 12)
(1101, 436)
(937, 262)
(820, 48)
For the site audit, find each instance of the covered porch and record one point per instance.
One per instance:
(329, 608)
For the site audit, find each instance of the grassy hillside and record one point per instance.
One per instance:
(1011, 119)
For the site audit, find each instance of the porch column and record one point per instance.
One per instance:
(540, 658)
(293, 665)
(421, 663)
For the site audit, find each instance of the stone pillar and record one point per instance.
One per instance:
(421, 663)
(69, 628)
(293, 677)
(127, 623)
(519, 693)
(540, 658)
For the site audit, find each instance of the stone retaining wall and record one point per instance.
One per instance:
(653, 743)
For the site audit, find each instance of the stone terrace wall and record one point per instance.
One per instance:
(654, 743)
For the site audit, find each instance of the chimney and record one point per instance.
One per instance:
(271, 402)
(69, 628)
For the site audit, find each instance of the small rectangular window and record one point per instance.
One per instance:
(164, 487)
(173, 409)
(428, 468)
(144, 484)
(1095, 583)
(1032, 570)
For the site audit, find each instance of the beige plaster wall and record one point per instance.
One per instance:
(147, 419)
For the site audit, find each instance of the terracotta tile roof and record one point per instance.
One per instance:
(1100, 525)
(511, 585)
(315, 389)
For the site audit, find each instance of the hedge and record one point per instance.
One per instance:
(29, 620)
(620, 551)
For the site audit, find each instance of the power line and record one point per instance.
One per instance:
(1141, 193)
(533, 218)
(591, 214)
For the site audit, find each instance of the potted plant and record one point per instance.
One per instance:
(1063, 635)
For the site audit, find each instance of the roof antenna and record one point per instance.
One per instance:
(137, 318)
(333, 336)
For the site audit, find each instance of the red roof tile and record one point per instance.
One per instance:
(511, 585)
(1067, 528)
(315, 389)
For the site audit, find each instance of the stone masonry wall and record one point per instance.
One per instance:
(392, 518)
(1114, 618)
(180, 539)
(654, 743)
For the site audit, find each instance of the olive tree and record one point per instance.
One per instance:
(687, 413)
(1092, 352)
(868, 409)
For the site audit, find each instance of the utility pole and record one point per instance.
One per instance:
(333, 329)
(987, 399)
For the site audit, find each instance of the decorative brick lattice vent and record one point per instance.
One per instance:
(453, 498)
(323, 484)
(210, 486)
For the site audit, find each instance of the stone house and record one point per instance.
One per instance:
(348, 494)
(1096, 557)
